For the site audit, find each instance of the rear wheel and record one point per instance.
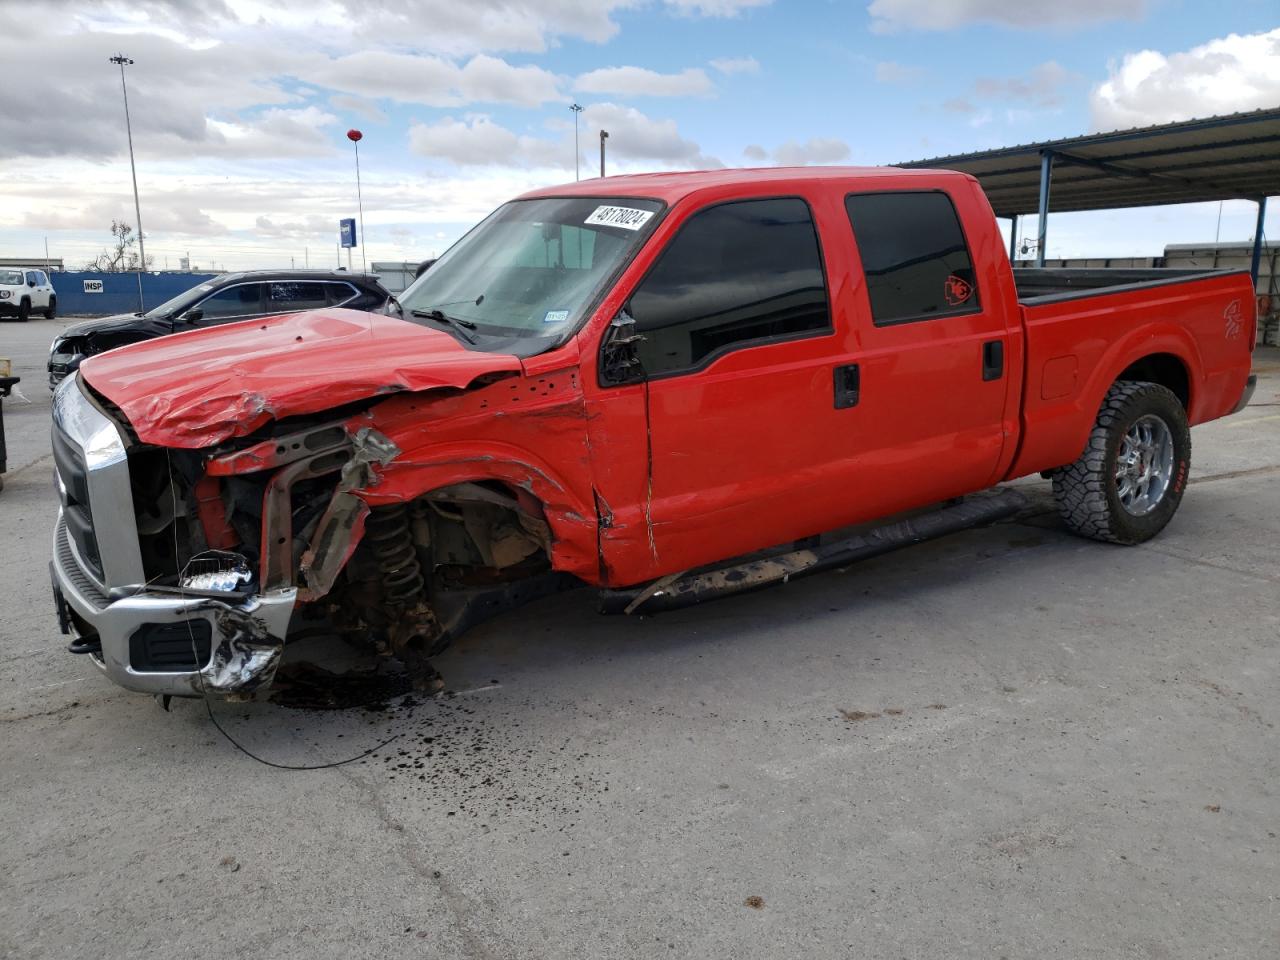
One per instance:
(24, 309)
(51, 310)
(1129, 481)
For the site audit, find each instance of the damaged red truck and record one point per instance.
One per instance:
(667, 387)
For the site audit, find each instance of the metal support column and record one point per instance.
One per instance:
(1013, 238)
(1257, 241)
(1046, 174)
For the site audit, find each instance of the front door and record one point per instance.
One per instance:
(738, 355)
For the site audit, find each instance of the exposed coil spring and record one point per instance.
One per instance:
(387, 534)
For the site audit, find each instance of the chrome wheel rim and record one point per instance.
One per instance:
(1144, 465)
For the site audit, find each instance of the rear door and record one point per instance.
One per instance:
(936, 350)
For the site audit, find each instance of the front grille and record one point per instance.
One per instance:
(74, 477)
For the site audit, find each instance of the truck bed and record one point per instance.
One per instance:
(1041, 284)
(1083, 327)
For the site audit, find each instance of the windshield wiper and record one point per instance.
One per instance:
(460, 325)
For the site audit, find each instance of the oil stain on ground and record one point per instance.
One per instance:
(473, 758)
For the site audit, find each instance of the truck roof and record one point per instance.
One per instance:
(674, 186)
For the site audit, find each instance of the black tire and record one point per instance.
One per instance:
(24, 309)
(51, 310)
(1088, 491)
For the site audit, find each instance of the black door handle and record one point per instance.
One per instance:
(993, 360)
(848, 383)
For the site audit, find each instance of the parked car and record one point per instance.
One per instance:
(633, 384)
(23, 292)
(227, 298)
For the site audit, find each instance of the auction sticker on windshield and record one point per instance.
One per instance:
(628, 218)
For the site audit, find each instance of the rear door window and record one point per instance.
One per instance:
(914, 256)
(736, 275)
(288, 295)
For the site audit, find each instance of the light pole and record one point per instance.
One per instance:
(122, 60)
(577, 109)
(355, 136)
(604, 135)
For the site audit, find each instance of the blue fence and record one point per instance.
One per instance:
(118, 292)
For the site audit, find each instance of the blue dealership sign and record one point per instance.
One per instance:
(348, 230)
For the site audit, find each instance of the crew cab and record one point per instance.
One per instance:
(639, 384)
(224, 299)
(23, 292)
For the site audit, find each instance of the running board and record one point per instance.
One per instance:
(674, 592)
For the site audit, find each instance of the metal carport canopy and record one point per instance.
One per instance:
(1218, 158)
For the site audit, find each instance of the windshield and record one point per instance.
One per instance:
(531, 269)
(11, 276)
(181, 300)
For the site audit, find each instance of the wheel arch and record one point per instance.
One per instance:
(1167, 369)
(570, 516)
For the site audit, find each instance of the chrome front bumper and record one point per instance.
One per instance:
(247, 637)
(132, 631)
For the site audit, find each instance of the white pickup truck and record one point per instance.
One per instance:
(22, 291)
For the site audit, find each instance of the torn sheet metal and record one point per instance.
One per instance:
(249, 647)
(528, 433)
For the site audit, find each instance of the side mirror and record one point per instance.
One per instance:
(619, 359)
(194, 315)
(31, 283)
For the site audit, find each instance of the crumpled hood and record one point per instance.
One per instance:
(197, 389)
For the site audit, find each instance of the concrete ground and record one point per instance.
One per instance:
(1010, 743)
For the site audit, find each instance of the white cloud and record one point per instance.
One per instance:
(731, 65)
(177, 215)
(438, 26)
(432, 81)
(1042, 87)
(817, 150)
(313, 227)
(1226, 75)
(635, 141)
(813, 150)
(358, 105)
(714, 8)
(637, 81)
(887, 71)
(634, 136)
(891, 15)
(476, 141)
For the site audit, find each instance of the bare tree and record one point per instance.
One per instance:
(120, 257)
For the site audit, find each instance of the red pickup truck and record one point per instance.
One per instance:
(667, 387)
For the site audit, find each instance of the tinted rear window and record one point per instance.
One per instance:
(913, 255)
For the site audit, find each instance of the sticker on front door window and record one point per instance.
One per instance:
(628, 218)
(957, 291)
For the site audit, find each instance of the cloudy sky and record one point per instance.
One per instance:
(240, 107)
